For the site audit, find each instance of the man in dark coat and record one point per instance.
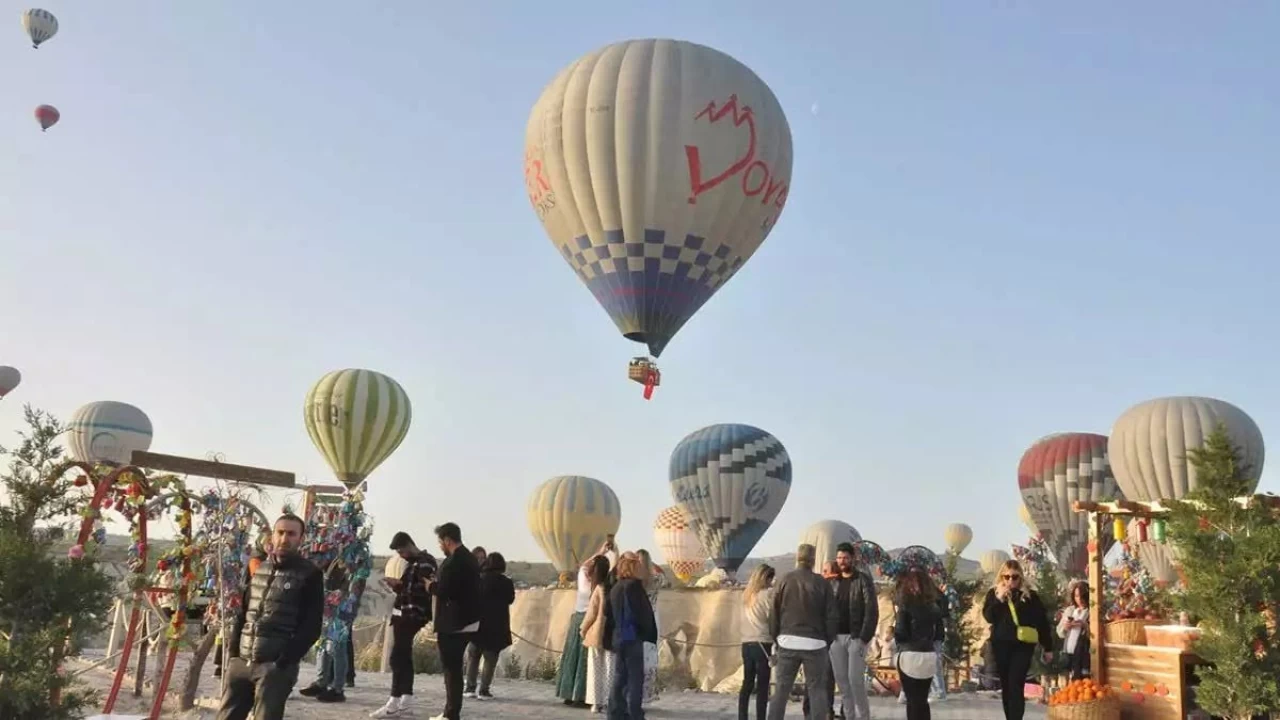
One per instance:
(497, 594)
(282, 618)
(457, 592)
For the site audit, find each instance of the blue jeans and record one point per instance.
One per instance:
(331, 662)
(626, 697)
(939, 687)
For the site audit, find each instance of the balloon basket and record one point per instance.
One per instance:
(645, 371)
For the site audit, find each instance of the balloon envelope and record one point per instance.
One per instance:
(1025, 516)
(957, 536)
(992, 560)
(356, 419)
(824, 536)
(1156, 557)
(1053, 474)
(40, 25)
(1149, 444)
(679, 543)
(731, 481)
(657, 168)
(570, 516)
(10, 378)
(108, 432)
(47, 116)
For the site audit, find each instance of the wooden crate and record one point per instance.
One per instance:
(1140, 665)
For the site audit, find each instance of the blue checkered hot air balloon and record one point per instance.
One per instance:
(731, 481)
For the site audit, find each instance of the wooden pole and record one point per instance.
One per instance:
(1097, 587)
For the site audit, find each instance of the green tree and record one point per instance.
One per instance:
(961, 634)
(1230, 556)
(44, 598)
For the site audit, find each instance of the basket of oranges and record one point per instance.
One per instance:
(1083, 700)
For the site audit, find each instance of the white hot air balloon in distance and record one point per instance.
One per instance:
(957, 536)
(10, 378)
(40, 25)
(992, 560)
(825, 536)
(108, 432)
(679, 543)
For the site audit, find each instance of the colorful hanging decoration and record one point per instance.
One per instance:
(1131, 591)
(341, 532)
(228, 530)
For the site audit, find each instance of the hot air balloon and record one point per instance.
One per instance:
(1156, 557)
(40, 25)
(108, 433)
(1150, 444)
(47, 116)
(731, 481)
(824, 536)
(356, 418)
(679, 543)
(1053, 474)
(570, 517)
(657, 168)
(957, 536)
(10, 378)
(992, 560)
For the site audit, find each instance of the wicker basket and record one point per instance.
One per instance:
(1100, 709)
(1127, 632)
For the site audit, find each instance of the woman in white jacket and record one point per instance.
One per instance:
(757, 642)
(1073, 628)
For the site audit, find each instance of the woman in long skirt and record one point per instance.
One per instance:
(652, 581)
(599, 660)
(571, 677)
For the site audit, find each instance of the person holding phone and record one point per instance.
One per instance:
(1074, 631)
(1019, 622)
(571, 676)
(411, 613)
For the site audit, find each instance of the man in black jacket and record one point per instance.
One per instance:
(283, 610)
(803, 625)
(457, 593)
(410, 613)
(858, 614)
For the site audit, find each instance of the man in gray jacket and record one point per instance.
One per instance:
(857, 615)
(804, 625)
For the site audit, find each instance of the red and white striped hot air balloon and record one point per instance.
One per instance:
(679, 543)
(47, 116)
(1055, 472)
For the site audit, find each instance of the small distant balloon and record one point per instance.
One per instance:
(814, 108)
(40, 25)
(47, 116)
(10, 378)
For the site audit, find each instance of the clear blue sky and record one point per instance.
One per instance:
(1005, 221)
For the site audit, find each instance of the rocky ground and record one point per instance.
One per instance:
(516, 698)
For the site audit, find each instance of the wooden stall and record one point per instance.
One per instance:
(1150, 682)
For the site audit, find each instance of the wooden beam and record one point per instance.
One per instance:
(329, 499)
(1097, 591)
(212, 469)
(324, 489)
(1131, 508)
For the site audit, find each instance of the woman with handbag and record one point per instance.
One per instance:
(1019, 622)
(757, 641)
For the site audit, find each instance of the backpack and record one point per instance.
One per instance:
(627, 630)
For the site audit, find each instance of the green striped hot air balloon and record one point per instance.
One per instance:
(356, 418)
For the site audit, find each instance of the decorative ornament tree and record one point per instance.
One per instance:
(1229, 551)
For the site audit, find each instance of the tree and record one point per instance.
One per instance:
(961, 635)
(1230, 559)
(44, 599)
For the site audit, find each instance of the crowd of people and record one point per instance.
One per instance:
(822, 622)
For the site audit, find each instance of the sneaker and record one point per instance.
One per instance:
(391, 709)
(484, 695)
(469, 694)
(902, 698)
(312, 690)
(331, 696)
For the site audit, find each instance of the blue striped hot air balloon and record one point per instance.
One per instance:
(570, 517)
(732, 481)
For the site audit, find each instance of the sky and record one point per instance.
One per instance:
(1006, 219)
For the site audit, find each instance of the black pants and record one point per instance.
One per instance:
(626, 697)
(917, 694)
(755, 678)
(1013, 660)
(1078, 661)
(351, 657)
(452, 648)
(805, 706)
(402, 632)
(475, 654)
(260, 688)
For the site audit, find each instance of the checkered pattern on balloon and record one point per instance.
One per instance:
(341, 532)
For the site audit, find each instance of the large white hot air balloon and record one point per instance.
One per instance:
(957, 536)
(679, 543)
(40, 25)
(10, 378)
(992, 560)
(108, 432)
(1149, 453)
(657, 168)
(825, 536)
